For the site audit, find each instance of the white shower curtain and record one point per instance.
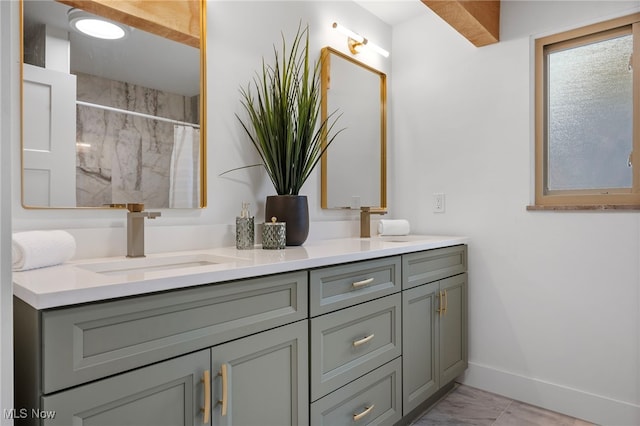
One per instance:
(184, 178)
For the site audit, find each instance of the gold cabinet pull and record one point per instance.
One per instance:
(362, 341)
(446, 302)
(206, 411)
(440, 309)
(362, 283)
(366, 411)
(225, 396)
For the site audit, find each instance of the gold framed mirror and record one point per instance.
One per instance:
(354, 167)
(110, 122)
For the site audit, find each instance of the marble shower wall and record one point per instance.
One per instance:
(122, 158)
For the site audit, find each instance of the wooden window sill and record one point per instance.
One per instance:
(604, 207)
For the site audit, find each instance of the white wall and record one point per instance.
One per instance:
(8, 102)
(553, 296)
(239, 34)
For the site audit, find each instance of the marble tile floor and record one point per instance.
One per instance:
(470, 406)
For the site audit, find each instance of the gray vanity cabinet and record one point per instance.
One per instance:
(139, 360)
(169, 393)
(368, 342)
(434, 322)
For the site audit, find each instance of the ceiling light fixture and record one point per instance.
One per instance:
(95, 26)
(356, 41)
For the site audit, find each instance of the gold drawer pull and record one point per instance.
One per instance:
(362, 283)
(225, 397)
(446, 302)
(441, 307)
(366, 411)
(206, 379)
(362, 341)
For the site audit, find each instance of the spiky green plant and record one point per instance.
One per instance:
(284, 113)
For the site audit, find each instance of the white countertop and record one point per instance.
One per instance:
(71, 283)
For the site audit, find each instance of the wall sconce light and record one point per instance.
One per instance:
(356, 41)
(94, 26)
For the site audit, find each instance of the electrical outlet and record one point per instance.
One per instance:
(438, 202)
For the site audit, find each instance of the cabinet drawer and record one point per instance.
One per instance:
(432, 265)
(88, 342)
(341, 286)
(375, 397)
(349, 343)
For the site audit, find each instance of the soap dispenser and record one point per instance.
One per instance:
(244, 229)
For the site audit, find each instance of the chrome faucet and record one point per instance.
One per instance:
(135, 228)
(365, 219)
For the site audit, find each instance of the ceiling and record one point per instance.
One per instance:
(393, 12)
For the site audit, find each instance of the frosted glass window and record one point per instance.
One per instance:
(590, 116)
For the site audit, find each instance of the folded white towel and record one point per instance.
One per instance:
(37, 249)
(393, 227)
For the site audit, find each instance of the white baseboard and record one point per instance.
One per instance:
(572, 402)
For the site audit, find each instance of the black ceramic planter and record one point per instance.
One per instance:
(294, 211)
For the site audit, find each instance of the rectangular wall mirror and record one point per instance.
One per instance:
(109, 122)
(354, 166)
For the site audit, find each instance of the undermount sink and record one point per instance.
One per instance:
(153, 264)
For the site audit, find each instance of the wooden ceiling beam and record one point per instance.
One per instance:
(477, 20)
(175, 20)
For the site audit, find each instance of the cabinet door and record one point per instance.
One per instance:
(453, 328)
(263, 380)
(169, 393)
(420, 337)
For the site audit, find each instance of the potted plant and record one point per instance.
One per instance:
(283, 125)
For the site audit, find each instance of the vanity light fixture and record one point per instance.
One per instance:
(356, 41)
(95, 26)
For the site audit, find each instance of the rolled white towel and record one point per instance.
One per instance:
(393, 227)
(37, 249)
